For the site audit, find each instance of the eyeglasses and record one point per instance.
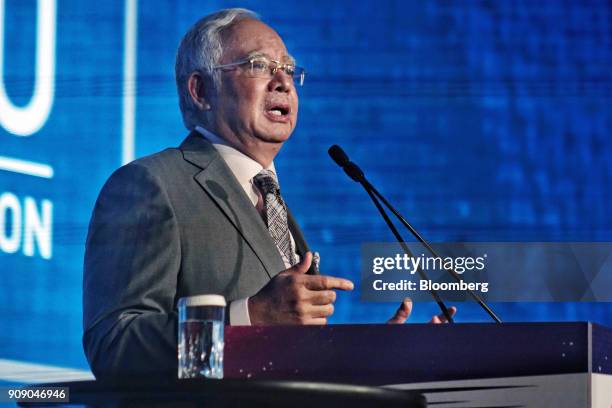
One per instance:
(262, 67)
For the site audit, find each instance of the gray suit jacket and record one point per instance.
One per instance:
(173, 224)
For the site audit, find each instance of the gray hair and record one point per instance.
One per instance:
(200, 50)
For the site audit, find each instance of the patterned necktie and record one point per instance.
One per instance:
(276, 214)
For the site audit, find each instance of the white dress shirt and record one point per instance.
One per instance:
(244, 169)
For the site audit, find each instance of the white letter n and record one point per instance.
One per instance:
(38, 226)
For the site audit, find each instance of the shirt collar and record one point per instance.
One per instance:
(242, 166)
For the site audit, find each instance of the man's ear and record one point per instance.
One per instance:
(199, 91)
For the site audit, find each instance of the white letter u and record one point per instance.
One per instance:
(26, 120)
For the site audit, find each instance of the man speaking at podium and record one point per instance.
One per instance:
(208, 216)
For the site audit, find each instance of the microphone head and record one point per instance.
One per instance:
(342, 160)
(338, 155)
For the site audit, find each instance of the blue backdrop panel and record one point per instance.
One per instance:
(481, 121)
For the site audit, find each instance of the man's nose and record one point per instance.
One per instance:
(281, 82)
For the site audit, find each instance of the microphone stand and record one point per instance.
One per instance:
(374, 193)
(371, 192)
(354, 172)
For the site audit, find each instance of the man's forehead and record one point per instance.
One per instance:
(249, 37)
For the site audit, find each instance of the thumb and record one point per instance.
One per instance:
(402, 313)
(303, 265)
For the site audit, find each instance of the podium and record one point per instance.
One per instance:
(461, 365)
(510, 364)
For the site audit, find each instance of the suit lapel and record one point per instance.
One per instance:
(220, 184)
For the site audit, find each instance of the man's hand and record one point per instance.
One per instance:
(292, 297)
(403, 313)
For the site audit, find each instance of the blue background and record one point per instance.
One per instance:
(480, 120)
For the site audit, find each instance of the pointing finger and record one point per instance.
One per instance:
(322, 282)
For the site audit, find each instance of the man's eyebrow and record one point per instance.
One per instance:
(256, 54)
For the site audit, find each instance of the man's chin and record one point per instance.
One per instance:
(275, 137)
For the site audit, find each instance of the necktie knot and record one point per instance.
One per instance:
(266, 182)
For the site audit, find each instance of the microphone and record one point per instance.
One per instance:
(338, 155)
(342, 160)
(354, 172)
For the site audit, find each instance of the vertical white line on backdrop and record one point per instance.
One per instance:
(129, 80)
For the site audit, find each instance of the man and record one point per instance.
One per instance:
(206, 217)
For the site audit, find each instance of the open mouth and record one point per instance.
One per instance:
(278, 111)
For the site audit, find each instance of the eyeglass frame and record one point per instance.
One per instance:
(277, 65)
